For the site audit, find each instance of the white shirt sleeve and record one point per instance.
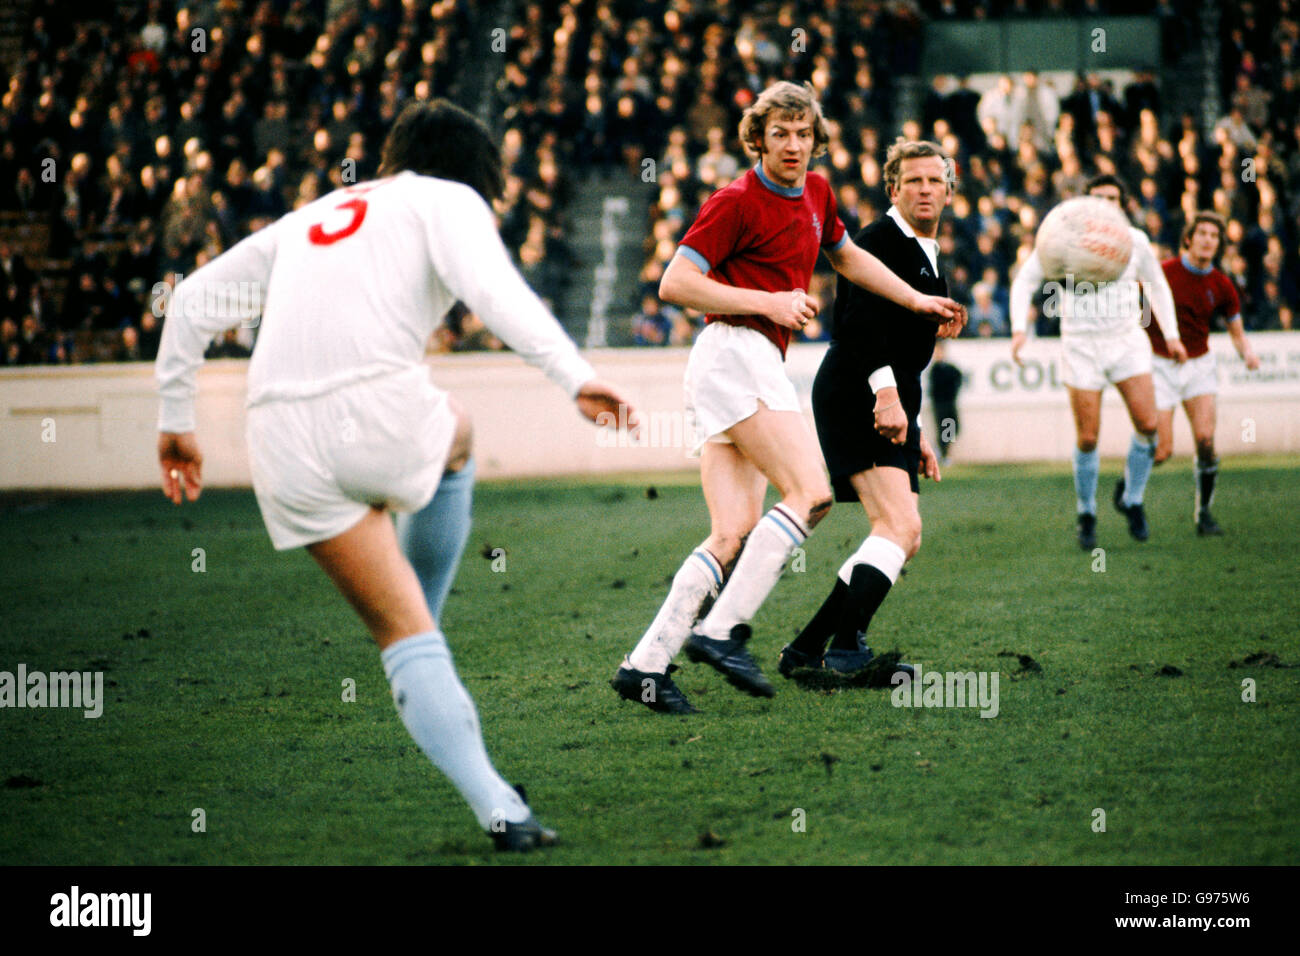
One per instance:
(1157, 288)
(226, 292)
(472, 262)
(882, 377)
(1027, 281)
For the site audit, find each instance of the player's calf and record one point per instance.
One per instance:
(1207, 473)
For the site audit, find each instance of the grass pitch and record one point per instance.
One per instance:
(225, 687)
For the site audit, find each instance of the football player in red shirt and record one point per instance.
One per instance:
(746, 262)
(1201, 292)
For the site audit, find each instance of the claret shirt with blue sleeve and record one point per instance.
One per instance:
(755, 234)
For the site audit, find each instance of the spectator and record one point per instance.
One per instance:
(987, 318)
(1037, 105)
(655, 322)
(996, 109)
(198, 150)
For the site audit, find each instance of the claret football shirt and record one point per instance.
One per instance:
(755, 234)
(1198, 297)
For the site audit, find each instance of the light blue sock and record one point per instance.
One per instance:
(433, 538)
(440, 716)
(1141, 458)
(1086, 465)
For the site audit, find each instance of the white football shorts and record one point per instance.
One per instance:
(1090, 362)
(1177, 383)
(730, 370)
(320, 463)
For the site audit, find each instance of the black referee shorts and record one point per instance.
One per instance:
(844, 408)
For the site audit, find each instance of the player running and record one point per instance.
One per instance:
(872, 373)
(1102, 342)
(745, 262)
(344, 423)
(1200, 292)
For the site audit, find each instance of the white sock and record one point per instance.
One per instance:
(698, 579)
(881, 553)
(440, 716)
(777, 534)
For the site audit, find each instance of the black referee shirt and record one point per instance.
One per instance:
(873, 331)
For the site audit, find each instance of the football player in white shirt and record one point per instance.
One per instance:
(1102, 341)
(344, 423)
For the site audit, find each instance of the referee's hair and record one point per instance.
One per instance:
(915, 149)
(784, 100)
(438, 138)
(1214, 219)
(1107, 179)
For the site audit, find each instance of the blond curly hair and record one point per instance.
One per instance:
(784, 100)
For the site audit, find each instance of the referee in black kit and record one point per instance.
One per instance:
(872, 373)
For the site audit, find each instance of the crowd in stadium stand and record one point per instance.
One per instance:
(147, 148)
(1020, 148)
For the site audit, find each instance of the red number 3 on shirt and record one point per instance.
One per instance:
(357, 206)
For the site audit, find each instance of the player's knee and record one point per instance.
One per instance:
(1087, 442)
(912, 536)
(1205, 448)
(1146, 424)
(904, 528)
(1163, 451)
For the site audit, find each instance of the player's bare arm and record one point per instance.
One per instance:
(862, 268)
(685, 284)
(1237, 332)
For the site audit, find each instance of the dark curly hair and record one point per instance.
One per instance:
(438, 138)
(1106, 179)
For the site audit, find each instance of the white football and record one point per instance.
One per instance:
(1085, 237)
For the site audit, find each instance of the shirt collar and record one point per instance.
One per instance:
(929, 246)
(789, 192)
(1187, 264)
